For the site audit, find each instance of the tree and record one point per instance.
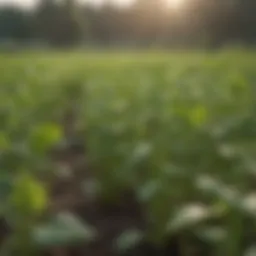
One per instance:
(68, 22)
(46, 20)
(70, 25)
(246, 20)
(14, 24)
(58, 23)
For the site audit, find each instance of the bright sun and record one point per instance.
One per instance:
(171, 3)
(176, 3)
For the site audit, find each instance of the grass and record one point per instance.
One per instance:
(175, 128)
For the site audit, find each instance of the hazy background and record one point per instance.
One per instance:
(33, 3)
(127, 23)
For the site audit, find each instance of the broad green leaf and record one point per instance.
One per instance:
(45, 136)
(5, 142)
(227, 194)
(250, 251)
(142, 150)
(63, 230)
(214, 235)
(28, 197)
(248, 204)
(128, 240)
(15, 158)
(188, 216)
(147, 191)
(6, 185)
(198, 115)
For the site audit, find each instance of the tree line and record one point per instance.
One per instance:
(144, 23)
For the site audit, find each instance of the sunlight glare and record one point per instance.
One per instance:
(176, 4)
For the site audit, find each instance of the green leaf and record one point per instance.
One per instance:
(28, 197)
(15, 158)
(198, 115)
(45, 136)
(188, 216)
(4, 141)
(251, 251)
(227, 194)
(248, 204)
(128, 240)
(6, 185)
(147, 191)
(142, 151)
(211, 234)
(63, 230)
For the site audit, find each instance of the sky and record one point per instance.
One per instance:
(29, 3)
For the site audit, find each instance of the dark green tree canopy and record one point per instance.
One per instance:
(69, 22)
(14, 24)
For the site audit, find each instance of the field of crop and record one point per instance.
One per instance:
(128, 154)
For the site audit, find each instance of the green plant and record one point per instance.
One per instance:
(177, 129)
